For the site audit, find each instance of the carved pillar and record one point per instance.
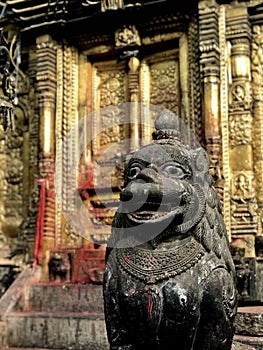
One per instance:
(14, 176)
(3, 188)
(12, 145)
(194, 82)
(224, 63)
(27, 230)
(146, 129)
(127, 38)
(134, 64)
(243, 201)
(67, 113)
(257, 88)
(46, 88)
(210, 74)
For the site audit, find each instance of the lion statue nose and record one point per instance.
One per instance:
(140, 191)
(149, 175)
(139, 195)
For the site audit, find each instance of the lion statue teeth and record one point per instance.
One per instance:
(169, 281)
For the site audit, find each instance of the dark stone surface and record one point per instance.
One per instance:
(169, 276)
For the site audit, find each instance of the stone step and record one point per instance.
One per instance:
(236, 346)
(242, 342)
(249, 321)
(249, 328)
(8, 348)
(62, 297)
(75, 331)
(56, 330)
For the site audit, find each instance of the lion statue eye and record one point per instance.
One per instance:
(174, 171)
(133, 172)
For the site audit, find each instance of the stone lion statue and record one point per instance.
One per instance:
(169, 281)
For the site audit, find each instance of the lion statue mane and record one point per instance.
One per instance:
(169, 281)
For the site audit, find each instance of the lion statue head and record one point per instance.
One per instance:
(169, 195)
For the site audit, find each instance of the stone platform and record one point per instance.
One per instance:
(70, 317)
(52, 316)
(249, 328)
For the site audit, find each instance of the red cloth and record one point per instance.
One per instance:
(40, 222)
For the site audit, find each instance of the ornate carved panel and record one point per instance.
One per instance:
(160, 86)
(240, 129)
(109, 88)
(164, 81)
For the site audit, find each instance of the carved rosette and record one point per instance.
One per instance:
(165, 85)
(244, 215)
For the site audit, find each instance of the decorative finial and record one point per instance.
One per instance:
(167, 126)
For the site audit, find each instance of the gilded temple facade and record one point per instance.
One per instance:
(203, 60)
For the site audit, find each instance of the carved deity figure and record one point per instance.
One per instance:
(169, 281)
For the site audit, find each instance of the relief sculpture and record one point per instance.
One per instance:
(169, 277)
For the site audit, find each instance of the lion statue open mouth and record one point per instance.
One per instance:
(169, 281)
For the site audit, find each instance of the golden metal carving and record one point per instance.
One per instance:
(189, 49)
(28, 115)
(134, 126)
(158, 38)
(242, 186)
(127, 36)
(240, 96)
(17, 172)
(160, 85)
(209, 21)
(109, 88)
(224, 63)
(244, 208)
(257, 84)
(165, 85)
(240, 129)
(46, 87)
(174, 70)
(68, 73)
(59, 142)
(144, 82)
(111, 5)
